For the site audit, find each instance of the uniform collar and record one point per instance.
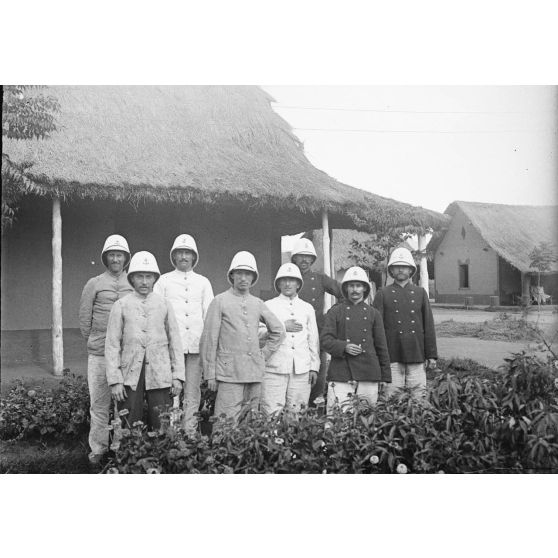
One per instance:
(184, 273)
(286, 298)
(139, 297)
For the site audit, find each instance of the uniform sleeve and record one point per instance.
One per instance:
(332, 286)
(113, 345)
(207, 297)
(176, 352)
(86, 307)
(210, 339)
(379, 302)
(380, 344)
(329, 338)
(430, 349)
(276, 331)
(313, 340)
(159, 288)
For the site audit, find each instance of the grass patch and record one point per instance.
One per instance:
(36, 458)
(502, 328)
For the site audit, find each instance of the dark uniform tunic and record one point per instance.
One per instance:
(313, 289)
(362, 325)
(408, 322)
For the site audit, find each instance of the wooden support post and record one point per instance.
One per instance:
(57, 335)
(525, 288)
(327, 256)
(423, 263)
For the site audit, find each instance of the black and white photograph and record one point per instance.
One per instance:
(306, 272)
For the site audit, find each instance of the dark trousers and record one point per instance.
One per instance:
(319, 387)
(158, 400)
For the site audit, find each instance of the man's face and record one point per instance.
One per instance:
(184, 259)
(355, 291)
(288, 286)
(303, 262)
(401, 273)
(242, 279)
(143, 282)
(115, 261)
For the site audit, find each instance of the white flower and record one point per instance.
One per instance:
(319, 401)
(328, 425)
(123, 412)
(374, 460)
(556, 364)
(401, 468)
(441, 472)
(153, 471)
(31, 393)
(279, 441)
(324, 472)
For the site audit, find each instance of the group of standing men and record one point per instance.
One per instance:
(152, 336)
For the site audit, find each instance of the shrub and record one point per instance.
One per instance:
(507, 421)
(45, 414)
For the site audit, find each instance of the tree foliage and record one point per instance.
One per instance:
(542, 257)
(27, 114)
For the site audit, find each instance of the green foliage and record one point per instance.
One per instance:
(542, 257)
(506, 421)
(43, 414)
(26, 114)
(373, 254)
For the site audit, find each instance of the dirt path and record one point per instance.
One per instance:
(489, 353)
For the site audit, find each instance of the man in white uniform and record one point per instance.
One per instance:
(190, 295)
(292, 370)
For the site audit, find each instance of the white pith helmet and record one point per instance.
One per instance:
(115, 242)
(143, 262)
(402, 256)
(185, 242)
(355, 273)
(288, 270)
(243, 260)
(303, 247)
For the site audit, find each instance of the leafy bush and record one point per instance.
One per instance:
(46, 414)
(507, 421)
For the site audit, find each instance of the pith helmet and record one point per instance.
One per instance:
(355, 274)
(303, 247)
(243, 260)
(288, 270)
(402, 256)
(115, 242)
(185, 242)
(143, 262)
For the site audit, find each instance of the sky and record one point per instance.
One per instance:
(431, 145)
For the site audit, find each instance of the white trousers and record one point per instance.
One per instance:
(99, 407)
(284, 390)
(338, 393)
(192, 391)
(407, 375)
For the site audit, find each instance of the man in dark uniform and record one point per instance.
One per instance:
(315, 285)
(354, 335)
(409, 324)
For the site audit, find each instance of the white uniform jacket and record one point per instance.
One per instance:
(300, 351)
(190, 295)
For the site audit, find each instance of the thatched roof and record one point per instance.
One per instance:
(512, 231)
(194, 144)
